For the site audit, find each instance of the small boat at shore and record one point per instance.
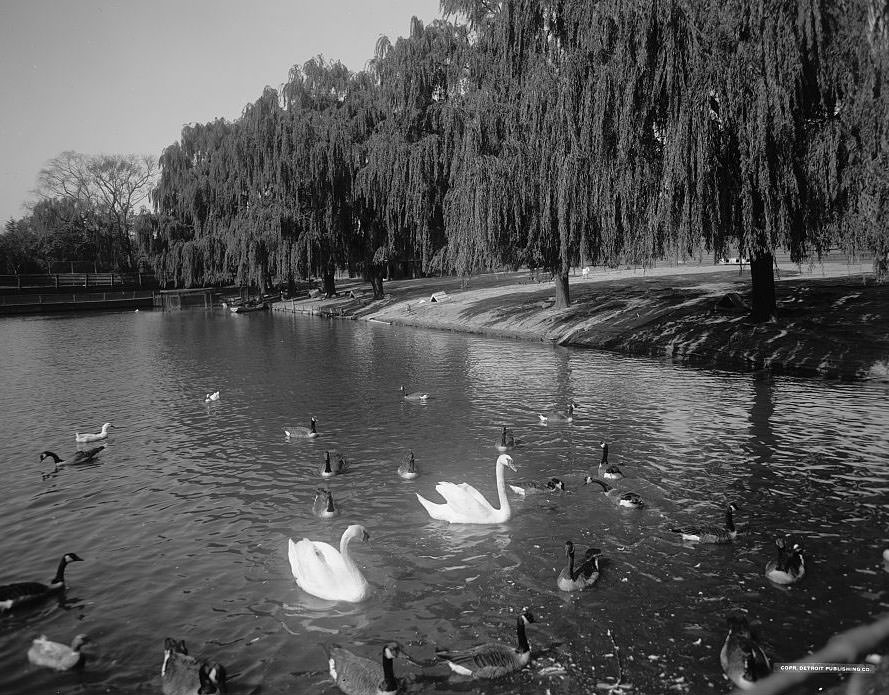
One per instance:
(248, 307)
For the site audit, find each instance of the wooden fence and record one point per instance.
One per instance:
(64, 280)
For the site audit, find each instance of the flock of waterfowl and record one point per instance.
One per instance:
(332, 574)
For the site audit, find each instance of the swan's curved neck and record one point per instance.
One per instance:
(344, 549)
(505, 509)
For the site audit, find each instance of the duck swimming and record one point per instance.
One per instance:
(554, 415)
(407, 469)
(507, 440)
(622, 499)
(586, 575)
(355, 675)
(337, 466)
(210, 397)
(414, 395)
(790, 565)
(182, 674)
(466, 505)
(531, 487)
(87, 437)
(743, 661)
(323, 506)
(328, 573)
(299, 432)
(14, 595)
(494, 659)
(608, 472)
(54, 655)
(711, 534)
(85, 456)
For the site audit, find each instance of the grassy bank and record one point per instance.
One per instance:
(833, 320)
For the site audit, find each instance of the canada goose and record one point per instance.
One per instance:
(531, 487)
(182, 674)
(302, 432)
(323, 506)
(711, 534)
(494, 659)
(328, 573)
(466, 505)
(608, 472)
(622, 499)
(407, 469)
(586, 575)
(210, 397)
(336, 467)
(355, 675)
(507, 440)
(554, 415)
(414, 396)
(743, 661)
(60, 657)
(77, 457)
(13, 595)
(88, 437)
(790, 565)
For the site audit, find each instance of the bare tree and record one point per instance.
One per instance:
(110, 188)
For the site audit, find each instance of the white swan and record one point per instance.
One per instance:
(88, 437)
(328, 573)
(466, 505)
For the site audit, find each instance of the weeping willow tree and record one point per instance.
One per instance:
(406, 162)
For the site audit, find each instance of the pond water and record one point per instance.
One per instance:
(183, 521)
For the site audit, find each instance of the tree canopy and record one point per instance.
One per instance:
(546, 133)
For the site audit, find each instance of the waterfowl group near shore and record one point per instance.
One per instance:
(333, 575)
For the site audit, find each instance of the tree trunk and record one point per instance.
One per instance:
(763, 306)
(376, 283)
(329, 283)
(563, 298)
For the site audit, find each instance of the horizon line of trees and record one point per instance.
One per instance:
(548, 133)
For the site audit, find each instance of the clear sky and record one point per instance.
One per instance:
(120, 77)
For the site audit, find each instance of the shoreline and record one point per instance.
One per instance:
(833, 321)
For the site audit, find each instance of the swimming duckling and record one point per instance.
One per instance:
(407, 469)
(182, 674)
(494, 659)
(85, 456)
(355, 675)
(507, 440)
(414, 395)
(790, 565)
(531, 487)
(586, 575)
(622, 499)
(90, 437)
(711, 534)
(323, 506)
(336, 467)
(608, 472)
(299, 432)
(61, 657)
(14, 595)
(554, 415)
(743, 661)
